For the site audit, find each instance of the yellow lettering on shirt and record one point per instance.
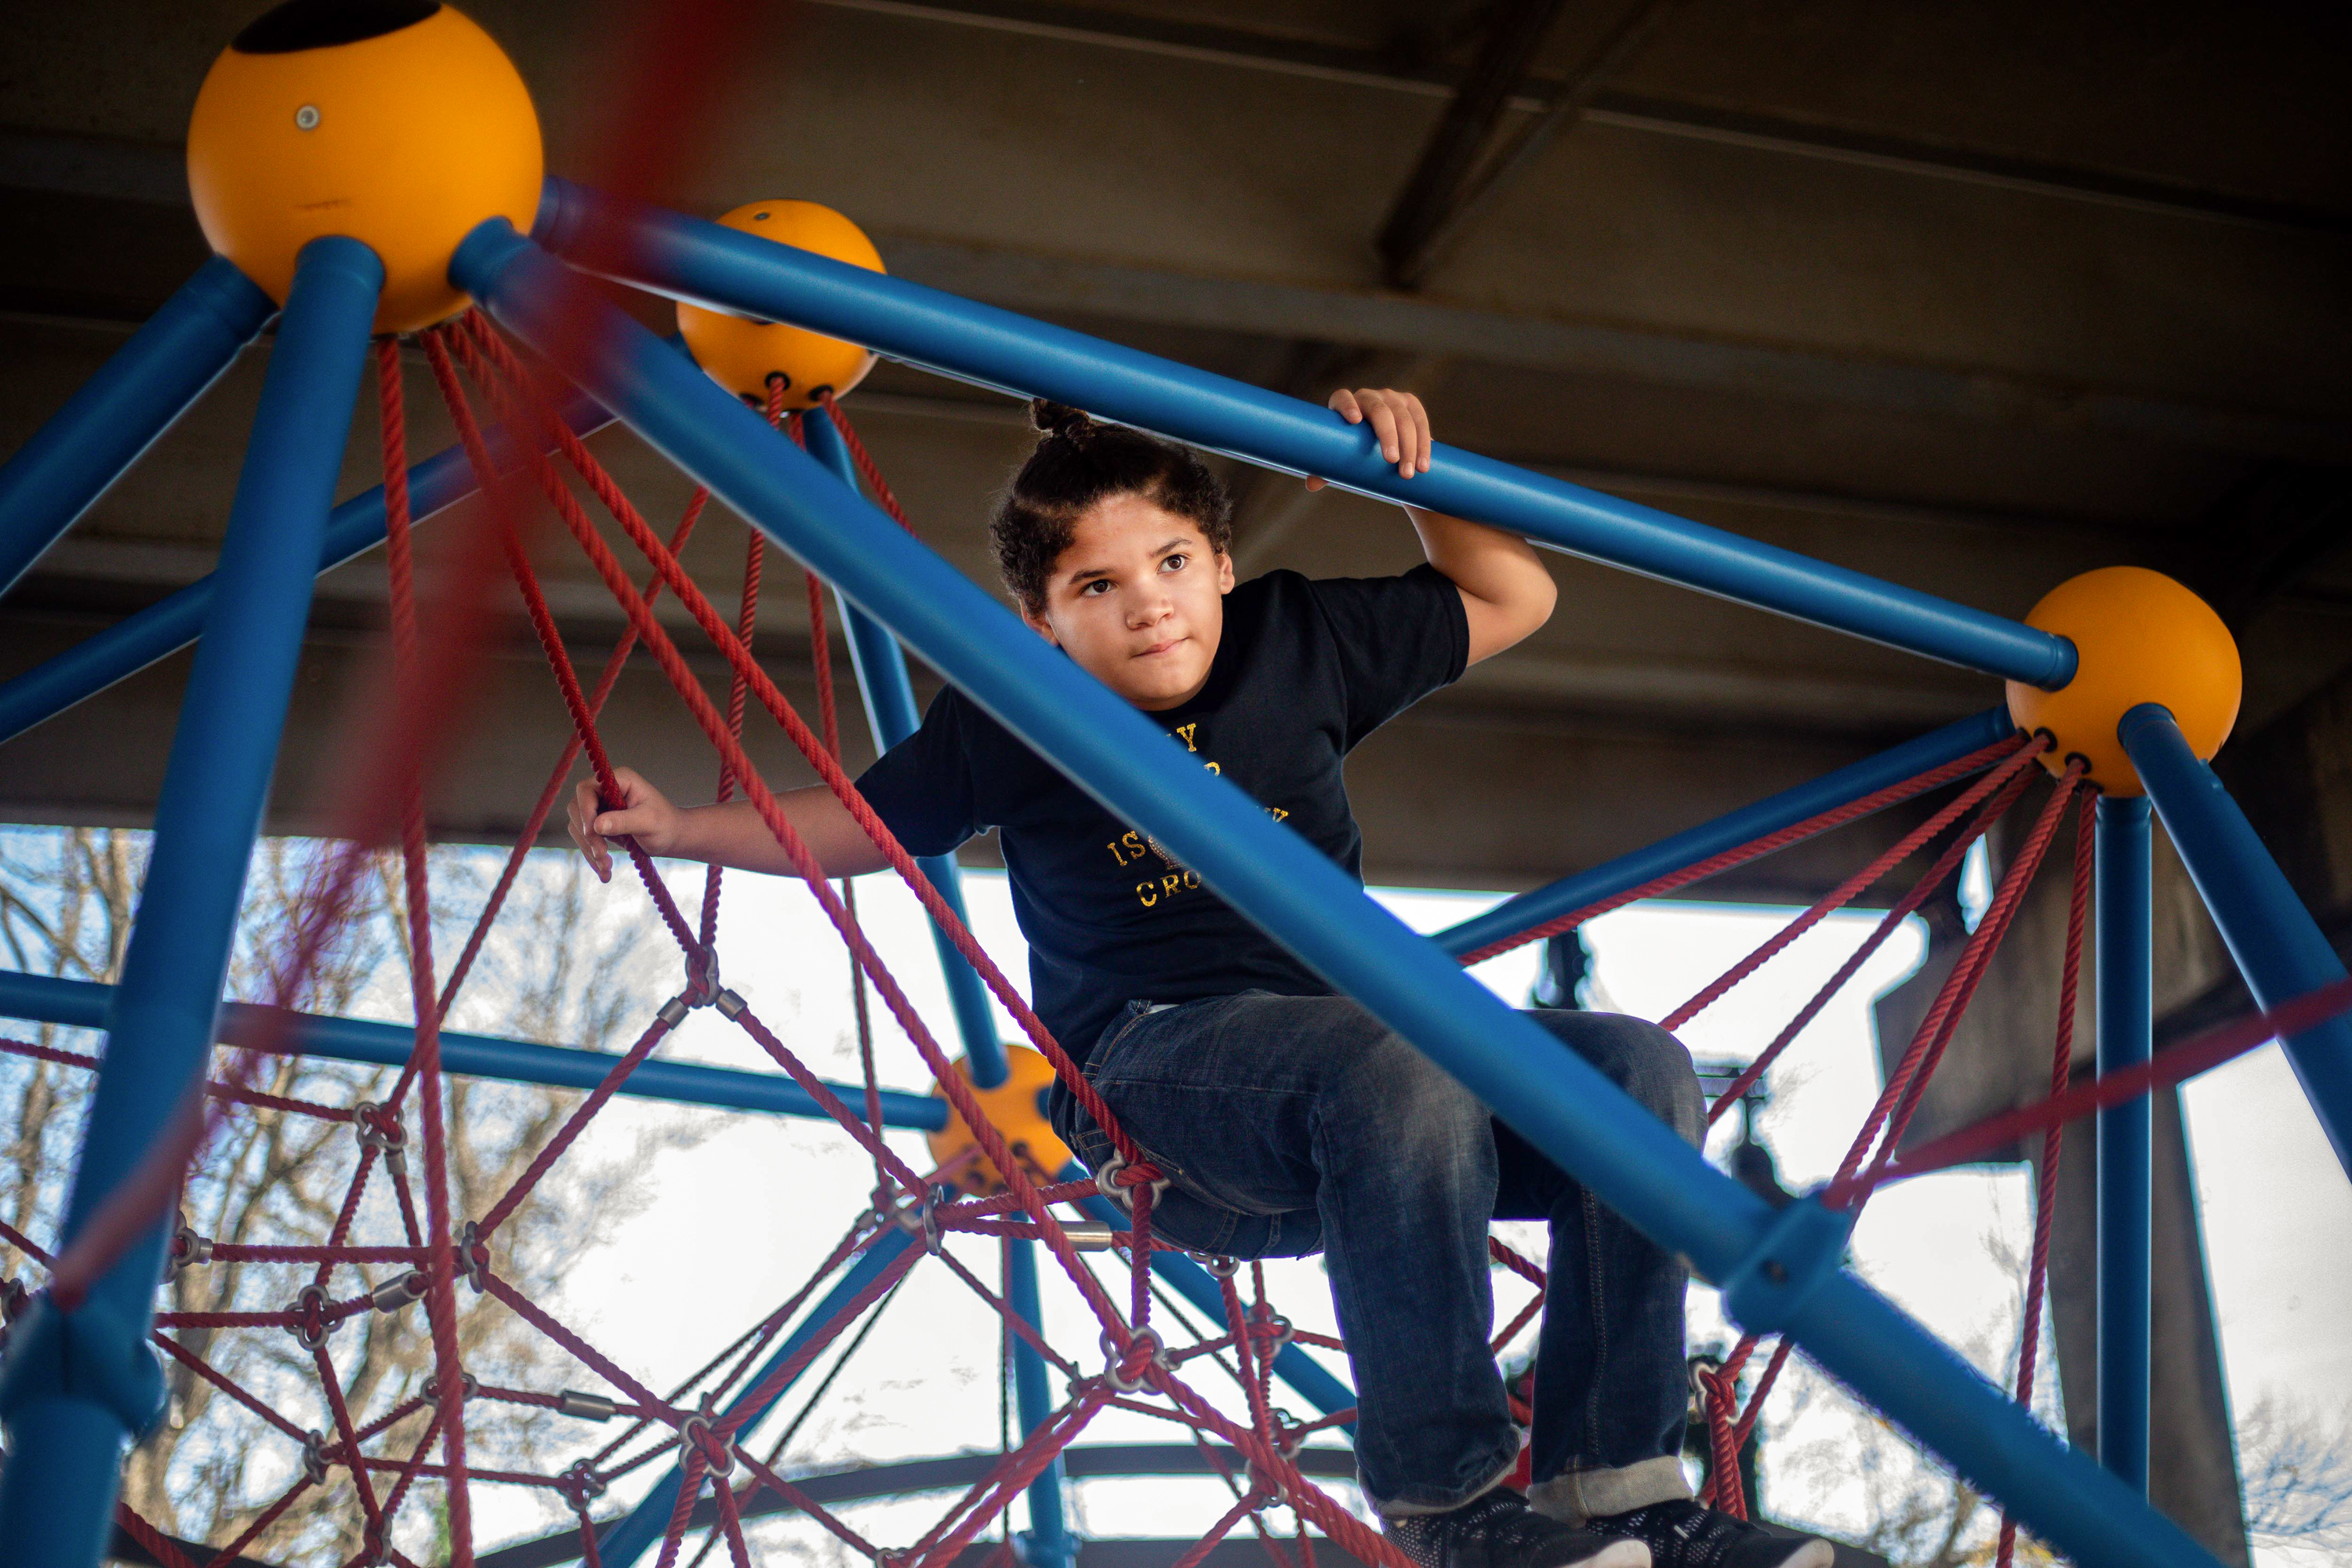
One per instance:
(1186, 731)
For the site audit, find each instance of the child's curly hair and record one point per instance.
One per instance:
(1078, 462)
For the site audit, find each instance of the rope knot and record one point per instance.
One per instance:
(1130, 1367)
(311, 1325)
(379, 1129)
(716, 1453)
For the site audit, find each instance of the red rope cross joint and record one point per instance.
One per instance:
(473, 1256)
(1130, 1369)
(717, 1452)
(379, 1129)
(1119, 1174)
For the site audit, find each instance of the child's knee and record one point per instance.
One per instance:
(1641, 1059)
(1416, 1104)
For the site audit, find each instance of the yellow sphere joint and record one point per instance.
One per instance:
(2139, 637)
(1017, 1109)
(741, 354)
(398, 123)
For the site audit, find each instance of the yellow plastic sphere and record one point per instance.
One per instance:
(1016, 1108)
(2140, 637)
(405, 139)
(741, 354)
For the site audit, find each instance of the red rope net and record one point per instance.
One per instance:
(434, 1250)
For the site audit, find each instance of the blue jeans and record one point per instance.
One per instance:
(1292, 1123)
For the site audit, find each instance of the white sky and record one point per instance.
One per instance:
(730, 1225)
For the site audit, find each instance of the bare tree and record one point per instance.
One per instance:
(1862, 1480)
(2298, 1477)
(276, 1177)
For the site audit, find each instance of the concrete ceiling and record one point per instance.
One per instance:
(1972, 299)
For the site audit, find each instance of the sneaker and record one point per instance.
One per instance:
(1688, 1534)
(1500, 1530)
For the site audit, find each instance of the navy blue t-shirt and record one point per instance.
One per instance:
(1304, 670)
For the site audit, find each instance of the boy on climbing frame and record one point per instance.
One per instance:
(1286, 1118)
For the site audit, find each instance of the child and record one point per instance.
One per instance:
(1288, 1119)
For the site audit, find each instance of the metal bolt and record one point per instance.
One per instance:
(307, 118)
(1776, 1271)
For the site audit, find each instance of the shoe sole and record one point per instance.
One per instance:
(1621, 1554)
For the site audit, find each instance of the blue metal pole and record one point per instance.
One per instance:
(627, 1538)
(80, 1383)
(83, 1003)
(1047, 1543)
(2126, 1038)
(1631, 1160)
(117, 414)
(881, 668)
(1729, 831)
(170, 623)
(691, 259)
(2279, 948)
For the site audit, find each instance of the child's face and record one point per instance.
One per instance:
(1138, 599)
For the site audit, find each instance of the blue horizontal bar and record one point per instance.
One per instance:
(688, 258)
(1729, 831)
(117, 413)
(81, 1004)
(172, 622)
(1628, 1158)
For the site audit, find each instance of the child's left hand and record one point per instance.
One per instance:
(1399, 420)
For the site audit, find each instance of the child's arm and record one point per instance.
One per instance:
(1505, 591)
(730, 834)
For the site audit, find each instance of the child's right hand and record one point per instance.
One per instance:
(644, 814)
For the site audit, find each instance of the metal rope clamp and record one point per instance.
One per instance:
(1289, 1433)
(314, 1458)
(378, 1131)
(1146, 1335)
(582, 1485)
(702, 986)
(397, 1291)
(921, 1218)
(469, 1385)
(1280, 1337)
(310, 1327)
(1107, 1183)
(187, 1250)
(1218, 1265)
(717, 1456)
(473, 1258)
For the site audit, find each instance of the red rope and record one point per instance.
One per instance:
(1908, 1084)
(866, 468)
(1852, 888)
(657, 641)
(2173, 1064)
(805, 742)
(425, 1061)
(1837, 816)
(1937, 874)
(2045, 1192)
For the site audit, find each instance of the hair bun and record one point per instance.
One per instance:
(1052, 419)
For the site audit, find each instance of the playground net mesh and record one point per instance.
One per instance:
(701, 1423)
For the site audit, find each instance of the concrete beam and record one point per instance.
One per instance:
(1369, 67)
(1059, 285)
